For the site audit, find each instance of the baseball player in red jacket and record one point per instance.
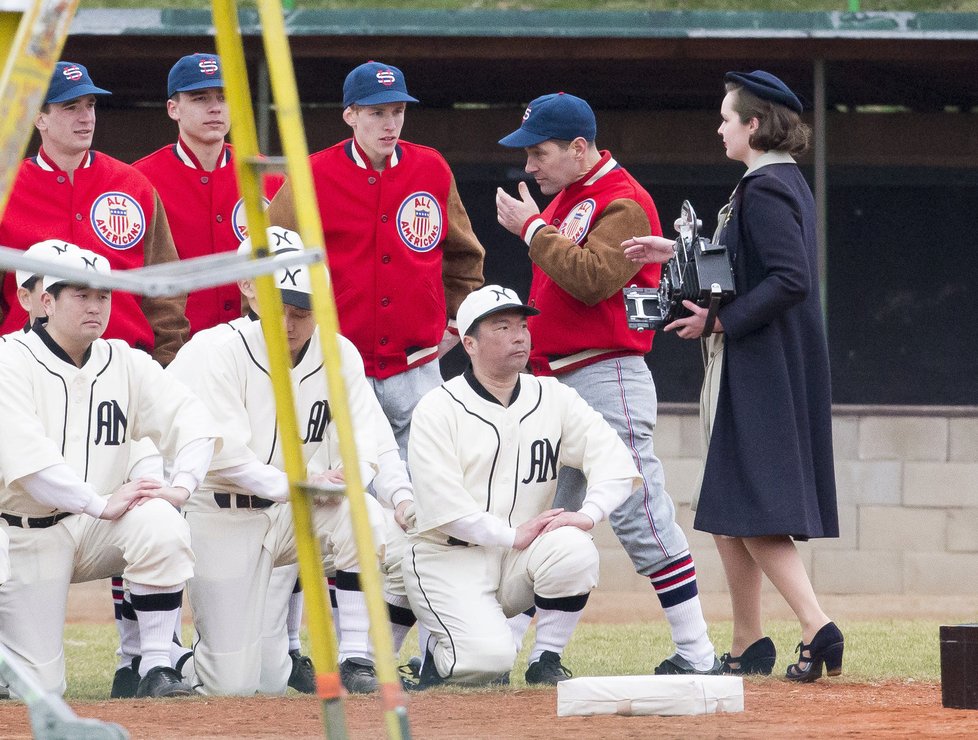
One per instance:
(196, 180)
(69, 191)
(401, 250)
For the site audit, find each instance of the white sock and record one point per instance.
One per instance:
(128, 629)
(294, 619)
(423, 636)
(689, 633)
(554, 630)
(177, 648)
(354, 638)
(518, 625)
(157, 608)
(401, 616)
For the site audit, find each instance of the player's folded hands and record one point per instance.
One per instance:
(570, 519)
(530, 530)
(129, 495)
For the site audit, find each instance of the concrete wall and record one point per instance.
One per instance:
(908, 504)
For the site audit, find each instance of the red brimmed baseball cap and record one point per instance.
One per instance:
(69, 81)
(486, 301)
(554, 116)
(375, 83)
(194, 72)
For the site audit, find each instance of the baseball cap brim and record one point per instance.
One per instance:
(77, 92)
(204, 85)
(525, 310)
(297, 299)
(387, 96)
(521, 138)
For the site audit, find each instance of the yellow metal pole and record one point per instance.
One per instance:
(245, 140)
(292, 135)
(31, 43)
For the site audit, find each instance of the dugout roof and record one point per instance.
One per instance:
(644, 60)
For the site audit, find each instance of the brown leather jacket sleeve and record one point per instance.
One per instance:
(167, 316)
(462, 254)
(594, 271)
(281, 211)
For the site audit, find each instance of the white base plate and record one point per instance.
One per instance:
(644, 695)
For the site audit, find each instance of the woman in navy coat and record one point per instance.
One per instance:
(769, 476)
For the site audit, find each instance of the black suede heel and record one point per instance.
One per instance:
(826, 649)
(757, 659)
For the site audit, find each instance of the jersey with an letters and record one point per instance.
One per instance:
(233, 380)
(113, 210)
(206, 216)
(579, 270)
(54, 412)
(469, 454)
(402, 254)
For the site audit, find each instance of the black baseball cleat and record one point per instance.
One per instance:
(676, 664)
(425, 675)
(358, 676)
(4, 692)
(303, 676)
(126, 681)
(547, 670)
(162, 682)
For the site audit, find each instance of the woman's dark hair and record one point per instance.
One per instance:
(779, 128)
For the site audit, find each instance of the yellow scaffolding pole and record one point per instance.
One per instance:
(248, 164)
(31, 40)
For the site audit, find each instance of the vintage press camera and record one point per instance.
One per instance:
(700, 272)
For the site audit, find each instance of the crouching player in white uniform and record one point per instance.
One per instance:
(71, 405)
(484, 453)
(241, 521)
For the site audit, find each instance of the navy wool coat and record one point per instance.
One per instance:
(769, 468)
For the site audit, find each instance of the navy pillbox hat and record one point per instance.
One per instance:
(375, 83)
(554, 116)
(70, 81)
(194, 72)
(767, 87)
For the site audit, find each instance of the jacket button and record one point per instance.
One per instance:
(205, 179)
(381, 365)
(371, 180)
(383, 219)
(228, 305)
(385, 301)
(383, 340)
(385, 259)
(61, 178)
(220, 218)
(78, 217)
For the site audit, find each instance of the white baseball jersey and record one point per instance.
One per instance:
(54, 412)
(470, 454)
(230, 373)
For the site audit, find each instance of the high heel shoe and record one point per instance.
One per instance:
(824, 649)
(757, 659)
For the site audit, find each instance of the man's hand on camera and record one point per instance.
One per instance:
(646, 249)
(691, 327)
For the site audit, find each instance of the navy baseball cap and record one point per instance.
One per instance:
(374, 83)
(69, 81)
(554, 116)
(194, 72)
(767, 87)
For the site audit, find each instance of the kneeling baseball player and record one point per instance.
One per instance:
(241, 521)
(72, 404)
(484, 453)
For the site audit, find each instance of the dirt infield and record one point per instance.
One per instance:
(773, 708)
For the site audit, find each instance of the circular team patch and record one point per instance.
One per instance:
(238, 221)
(118, 220)
(576, 223)
(419, 222)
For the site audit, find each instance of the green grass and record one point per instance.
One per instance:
(875, 651)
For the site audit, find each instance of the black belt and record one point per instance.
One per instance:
(34, 522)
(458, 543)
(241, 501)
